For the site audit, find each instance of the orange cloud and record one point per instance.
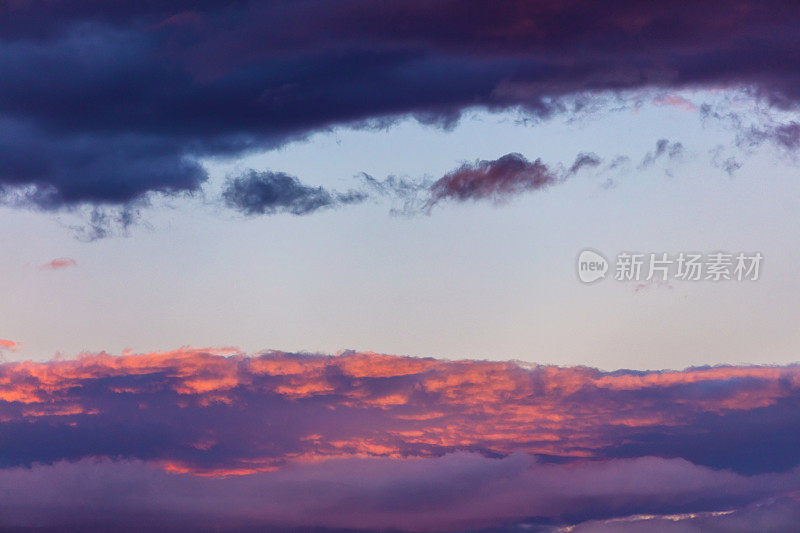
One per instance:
(6, 344)
(61, 262)
(218, 411)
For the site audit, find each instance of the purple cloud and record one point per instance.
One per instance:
(135, 93)
(500, 179)
(194, 439)
(457, 492)
(199, 412)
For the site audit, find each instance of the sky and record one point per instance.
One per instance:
(476, 280)
(314, 264)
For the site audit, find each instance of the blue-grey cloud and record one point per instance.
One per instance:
(584, 160)
(105, 103)
(664, 149)
(266, 193)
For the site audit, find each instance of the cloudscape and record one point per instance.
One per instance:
(386, 442)
(441, 265)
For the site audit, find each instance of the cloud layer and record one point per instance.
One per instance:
(197, 411)
(135, 92)
(420, 440)
(456, 492)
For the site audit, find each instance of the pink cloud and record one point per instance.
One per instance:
(674, 100)
(223, 413)
(499, 179)
(6, 344)
(61, 262)
(279, 441)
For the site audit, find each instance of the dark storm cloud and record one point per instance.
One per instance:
(104, 102)
(68, 168)
(260, 193)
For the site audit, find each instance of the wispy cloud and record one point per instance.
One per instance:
(664, 149)
(498, 180)
(266, 193)
(59, 263)
(675, 100)
(6, 344)
(493, 180)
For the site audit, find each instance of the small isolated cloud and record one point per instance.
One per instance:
(6, 344)
(100, 222)
(719, 159)
(619, 161)
(61, 262)
(675, 100)
(664, 148)
(584, 159)
(408, 193)
(268, 193)
(498, 179)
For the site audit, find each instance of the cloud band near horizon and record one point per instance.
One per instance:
(201, 412)
(285, 422)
